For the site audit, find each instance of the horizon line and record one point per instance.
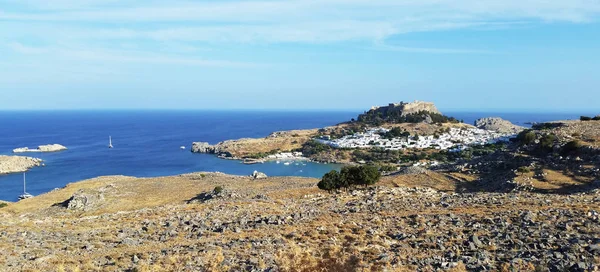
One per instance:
(451, 110)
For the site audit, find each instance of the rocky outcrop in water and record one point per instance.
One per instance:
(497, 124)
(41, 148)
(17, 164)
(204, 147)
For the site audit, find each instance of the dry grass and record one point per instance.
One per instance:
(129, 193)
(328, 241)
(286, 141)
(554, 180)
(433, 180)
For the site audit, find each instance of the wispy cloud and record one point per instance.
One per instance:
(386, 47)
(24, 49)
(123, 56)
(93, 23)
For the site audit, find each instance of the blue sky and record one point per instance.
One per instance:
(511, 55)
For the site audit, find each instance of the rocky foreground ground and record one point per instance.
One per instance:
(286, 224)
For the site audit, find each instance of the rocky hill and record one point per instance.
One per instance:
(498, 124)
(183, 223)
(16, 164)
(413, 112)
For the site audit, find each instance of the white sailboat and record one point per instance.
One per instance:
(25, 194)
(110, 142)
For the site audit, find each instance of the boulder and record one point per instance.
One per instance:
(258, 175)
(84, 201)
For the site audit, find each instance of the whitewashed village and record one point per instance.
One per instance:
(454, 140)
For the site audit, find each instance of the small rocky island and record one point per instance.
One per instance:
(17, 164)
(41, 148)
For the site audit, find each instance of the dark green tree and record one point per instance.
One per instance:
(330, 181)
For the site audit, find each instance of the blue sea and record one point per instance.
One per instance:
(147, 143)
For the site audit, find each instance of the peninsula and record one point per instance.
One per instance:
(400, 127)
(17, 164)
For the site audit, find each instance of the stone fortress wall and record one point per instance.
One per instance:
(408, 108)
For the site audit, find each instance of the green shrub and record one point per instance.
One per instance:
(571, 147)
(547, 141)
(585, 118)
(395, 133)
(526, 137)
(523, 169)
(202, 175)
(350, 176)
(596, 118)
(330, 181)
(2, 205)
(313, 147)
(375, 117)
(387, 168)
(217, 190)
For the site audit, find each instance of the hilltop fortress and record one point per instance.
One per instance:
(412, 112)
(404, 108)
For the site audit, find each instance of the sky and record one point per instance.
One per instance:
(471, 55)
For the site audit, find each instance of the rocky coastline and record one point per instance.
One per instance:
(17, 164)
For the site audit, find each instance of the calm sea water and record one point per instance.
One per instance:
(147, 143)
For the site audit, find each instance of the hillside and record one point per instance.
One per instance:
(286, 224)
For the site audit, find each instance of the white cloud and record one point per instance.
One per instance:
(293, 21)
